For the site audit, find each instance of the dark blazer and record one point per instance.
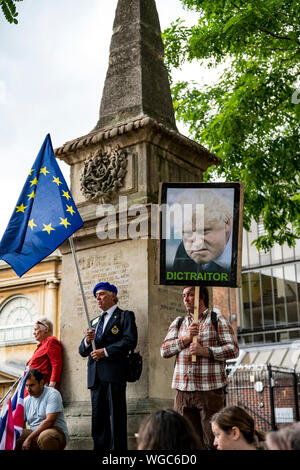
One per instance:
(117, 341)
(183, 263)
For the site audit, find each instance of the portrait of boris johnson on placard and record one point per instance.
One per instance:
(201, 233)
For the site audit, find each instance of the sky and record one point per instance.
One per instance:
(52, 71)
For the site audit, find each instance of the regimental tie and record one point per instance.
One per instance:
(99, 331)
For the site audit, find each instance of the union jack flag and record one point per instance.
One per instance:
(12, 417)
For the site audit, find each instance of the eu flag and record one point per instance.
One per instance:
(45, 215)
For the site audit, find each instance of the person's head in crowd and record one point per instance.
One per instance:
(106, 295)
(205, 240)
(167, 430)
(234, 429)
(188, 295)
(42, 329)
(35, 382)
(287, 438)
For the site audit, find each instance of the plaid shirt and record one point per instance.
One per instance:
(205, 373)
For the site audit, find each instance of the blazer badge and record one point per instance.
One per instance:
(115, 330)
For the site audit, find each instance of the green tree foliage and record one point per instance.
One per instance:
(250, 117)
(9, 10)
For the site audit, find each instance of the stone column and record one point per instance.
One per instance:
(51, 302)
(153, 154)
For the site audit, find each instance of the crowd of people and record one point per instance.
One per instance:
(199, 421)
(233, 429)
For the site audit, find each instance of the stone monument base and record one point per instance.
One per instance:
(78, 417)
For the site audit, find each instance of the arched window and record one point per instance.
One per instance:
(17, 318)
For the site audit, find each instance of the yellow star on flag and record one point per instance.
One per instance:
(70, 209)
(44, 171)
(31, 171)
(35, 181)
(66, 194)
(31, 196)
(21, 208)
(64, 222)
(56, 180)
(47, 228)
(31, 224)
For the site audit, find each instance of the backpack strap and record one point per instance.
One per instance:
(180, 322)
(122, 319)
(122, 322)
(214, 320)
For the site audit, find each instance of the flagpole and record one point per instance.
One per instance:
(8, 392)
(81, 287)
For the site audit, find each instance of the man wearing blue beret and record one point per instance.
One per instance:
(114, 332)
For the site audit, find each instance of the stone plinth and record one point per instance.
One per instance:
(155, 154)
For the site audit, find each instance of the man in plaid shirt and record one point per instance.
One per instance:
(199, 385)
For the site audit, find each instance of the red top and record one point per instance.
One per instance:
(48, 359)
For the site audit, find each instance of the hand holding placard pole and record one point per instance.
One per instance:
(196, 316)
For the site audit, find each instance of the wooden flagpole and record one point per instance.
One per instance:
(196, 315)
(81, 287)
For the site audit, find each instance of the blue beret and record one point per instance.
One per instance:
(105, 286)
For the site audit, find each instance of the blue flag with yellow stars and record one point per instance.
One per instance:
(45, 215)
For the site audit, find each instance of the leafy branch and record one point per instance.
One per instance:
(9, 10)
(247, 117)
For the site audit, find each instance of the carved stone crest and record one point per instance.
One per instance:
(103, 173)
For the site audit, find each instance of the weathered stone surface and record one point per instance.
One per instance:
(137, 81)
(78, 417)
(103, 174)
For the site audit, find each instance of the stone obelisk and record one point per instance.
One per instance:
(134, 146)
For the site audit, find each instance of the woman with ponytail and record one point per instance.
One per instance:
(234, 429)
